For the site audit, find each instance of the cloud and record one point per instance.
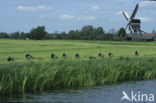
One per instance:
(95, 8)
(148, 4)
(42, 16)
(85, 12)
(70, 17)
(66, 17)
(88, 18)
(33, 8)
(119, 13)
(143, 19)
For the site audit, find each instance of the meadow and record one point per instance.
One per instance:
(43, 73)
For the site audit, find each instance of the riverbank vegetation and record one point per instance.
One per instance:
(18, 78)
(43, 73)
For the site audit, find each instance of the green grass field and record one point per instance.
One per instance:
(42, 73)
(42, 50)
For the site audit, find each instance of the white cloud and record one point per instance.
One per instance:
(42, 16)
(85, 12)
(88, 18)
(66, 17)
(95, 8)
(70, 17)
(119, 13)
(33, 8)
(143, 19)
(148, 4)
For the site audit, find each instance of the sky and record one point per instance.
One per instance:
(65, 15)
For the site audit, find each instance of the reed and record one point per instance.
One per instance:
(32, 76)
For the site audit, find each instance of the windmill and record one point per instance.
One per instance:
(134, 26)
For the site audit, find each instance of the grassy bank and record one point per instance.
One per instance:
(42, 49)
(17, 77)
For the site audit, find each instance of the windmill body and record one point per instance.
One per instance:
(136, 25)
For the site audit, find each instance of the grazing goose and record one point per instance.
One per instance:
(101, 55)
(28, 56)
(136, 53)
(64, 55)
(92, 57)
(110, 54)
(77, 55)
(53, 56)
(10, 59)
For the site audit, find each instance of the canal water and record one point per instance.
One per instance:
(103, 94)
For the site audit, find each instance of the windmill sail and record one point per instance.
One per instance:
(126, 15)
(135, 11)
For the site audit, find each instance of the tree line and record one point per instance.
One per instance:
(38, 33)
(86, 33)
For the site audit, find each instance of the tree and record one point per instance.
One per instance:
(99, 33)
(23, 35)
(63, 35)
(122, 32)
(4, 35)
(100, 30)
(73, 35)
(107, 36)
(38, 33)
(87, 28)
(86, 32)
(15, 35)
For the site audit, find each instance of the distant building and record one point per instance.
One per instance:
(27, 39)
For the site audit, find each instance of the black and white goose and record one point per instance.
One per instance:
(53, 56)
(10, 59)
(28, 56)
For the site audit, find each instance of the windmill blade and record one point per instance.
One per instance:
(127, 26)
(135, 11)
(126, 15)
(131, 28)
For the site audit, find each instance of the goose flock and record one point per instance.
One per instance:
(77, 55)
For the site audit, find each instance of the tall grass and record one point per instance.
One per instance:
(18, 78)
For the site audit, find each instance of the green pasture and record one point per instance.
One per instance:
(41, 50)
